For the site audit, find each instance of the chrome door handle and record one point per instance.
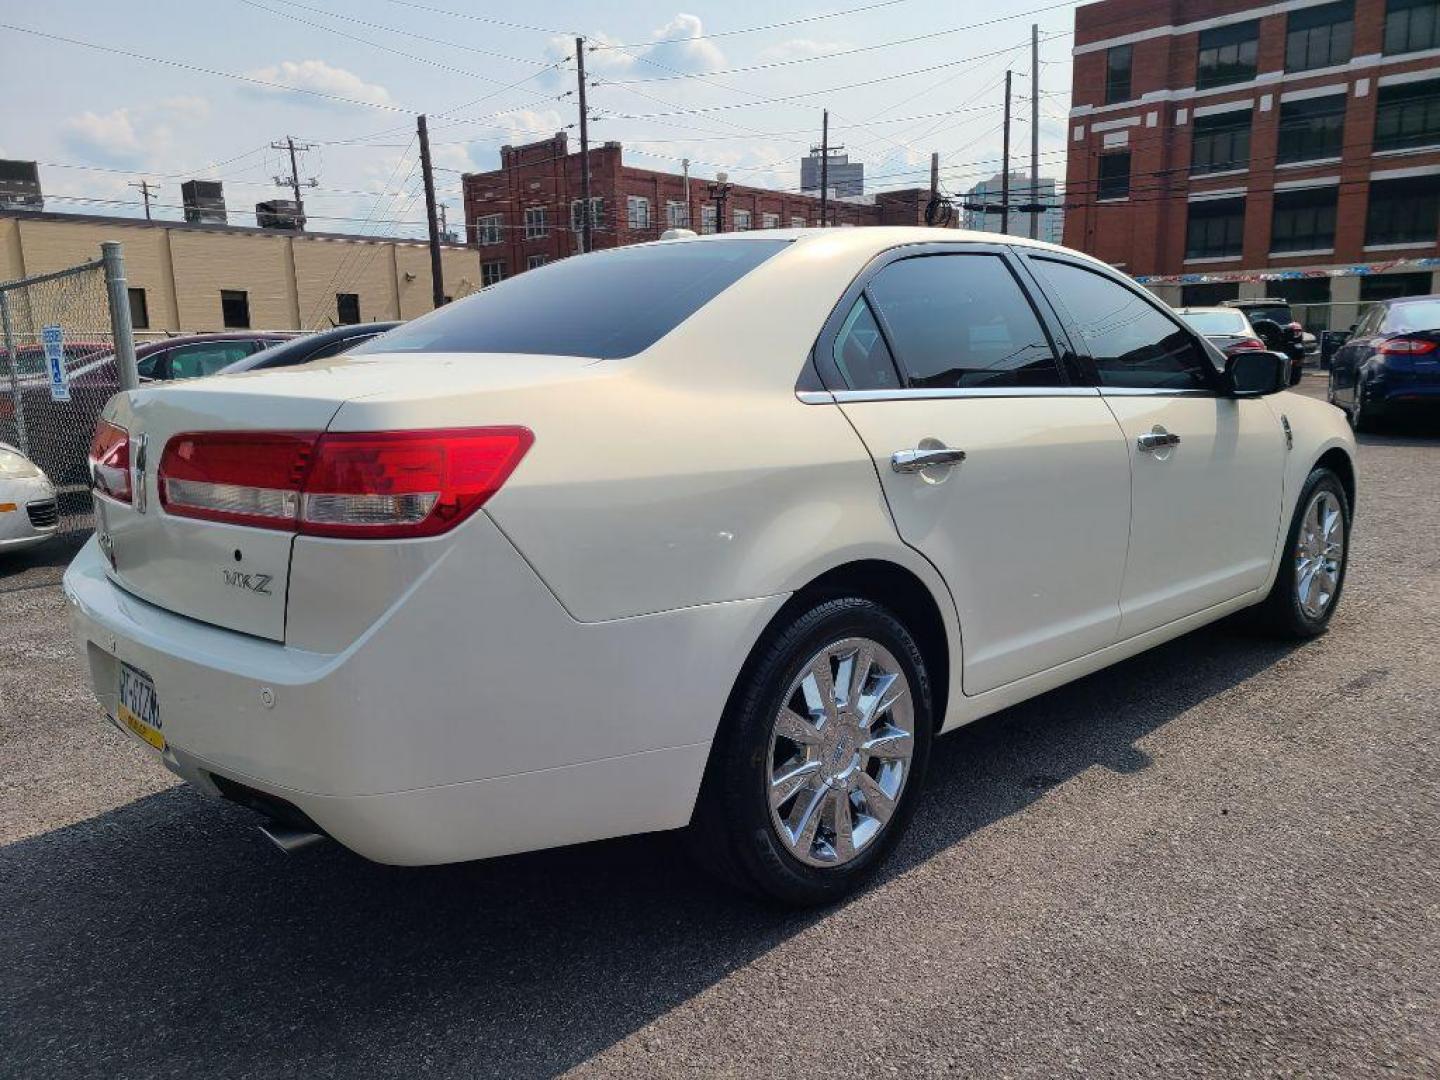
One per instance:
(1157, 438)
(912, 461)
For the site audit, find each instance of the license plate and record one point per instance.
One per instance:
(138, 707)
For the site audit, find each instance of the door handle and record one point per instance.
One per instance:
(1157, 438)
(912, 461)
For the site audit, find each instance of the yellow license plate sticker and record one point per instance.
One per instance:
(138, 708)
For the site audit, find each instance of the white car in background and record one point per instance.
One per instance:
(29, 513)
(713, 532)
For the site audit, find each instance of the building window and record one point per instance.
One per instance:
(488, 229)
(1403, 211)
(1221, 143)
(1304, 220)
(534, 262)
(742, 220)
(1408, 115)
(1209, 294)
(1411, 25)
(1320, 37)
(1114, 176)
(347, 308)
(637, 211)
(1227, 54)
(707, 219)
(491, 273)
(1393, 286)
(797, 222)
(1215, 229)
(1311, 129)
(235, 309)
(769, 221)
(139, 310)
(597, 210)
(1117, 73)
(537, 224)
(677, 215)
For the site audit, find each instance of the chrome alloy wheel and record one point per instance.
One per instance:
(1319, 552)
(840, 752)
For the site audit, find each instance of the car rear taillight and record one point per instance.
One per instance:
(1407, 347)
(1248, 345)
(382, 485)
(110, 462)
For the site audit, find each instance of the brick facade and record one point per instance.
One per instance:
(545, 176)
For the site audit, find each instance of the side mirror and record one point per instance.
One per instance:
(1255, 373)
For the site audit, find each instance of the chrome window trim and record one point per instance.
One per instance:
(1154, 391)
(843, 397)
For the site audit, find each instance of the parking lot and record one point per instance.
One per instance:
(1220, 858)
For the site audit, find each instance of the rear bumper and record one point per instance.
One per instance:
(474, 718)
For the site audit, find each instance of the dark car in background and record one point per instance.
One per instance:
(317, 346)
(1263, 311)
(1230, 330)
(1390, 364)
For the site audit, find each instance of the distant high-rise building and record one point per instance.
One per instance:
(844, 176)
(988, 192)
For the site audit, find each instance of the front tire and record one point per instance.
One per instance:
(1312, 569)
(820, 758)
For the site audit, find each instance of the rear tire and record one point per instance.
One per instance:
(1312, 568)
(855, 756)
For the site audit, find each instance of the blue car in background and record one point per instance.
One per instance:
(1390, 363)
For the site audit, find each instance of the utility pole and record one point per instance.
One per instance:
(685, 172)
(1034, 131)
(720, 191)
(146, 190)
(1005, 166)
(585, 222)
(437, 273)
(825, 148)
(293, 181)
(935, 175)
(444, 225)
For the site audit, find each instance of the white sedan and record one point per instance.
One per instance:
(714, 533)
(29, 514)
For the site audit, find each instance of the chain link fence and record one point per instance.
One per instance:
(57, 369)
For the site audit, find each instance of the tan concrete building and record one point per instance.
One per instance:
(191, 278)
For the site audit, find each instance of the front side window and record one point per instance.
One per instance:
(1408, 115)
(537, 224)
(1311, 129)
(861, 355)
(1411, 25)
(1320, 37)
(491, 273)
(1402, 211)
(1227, 54)
(1215, 228)
(1118, 63)
(1304, 220)
(235, 309)
(1114, 180)
(1132, 342)
(1221, 142)
(488, 229)
(958, 321)
(585, 306)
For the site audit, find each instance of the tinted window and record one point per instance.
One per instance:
(606, 304)
(962, 321)
(335, 348)
(861, 354)
(195, 361)
(1133, 344)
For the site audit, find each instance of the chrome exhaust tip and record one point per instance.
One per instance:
(288, 838)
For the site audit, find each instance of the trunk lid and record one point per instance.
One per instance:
(237, 576)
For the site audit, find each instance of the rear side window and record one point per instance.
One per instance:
(604, 305)
(959, 321)
(196, 361)
(861, 355)
(1131, 342)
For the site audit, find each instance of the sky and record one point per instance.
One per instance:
(201, 90)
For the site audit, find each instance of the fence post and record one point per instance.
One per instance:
(13, 364)
(120, 314)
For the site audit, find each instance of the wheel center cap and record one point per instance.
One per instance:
(839, 751)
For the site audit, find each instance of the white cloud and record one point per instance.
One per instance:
(185, 107)
(108, 138)
(321, 78)
(693, 55)
(677, 45)
(801, 48)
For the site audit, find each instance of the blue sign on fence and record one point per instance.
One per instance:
(53, 340)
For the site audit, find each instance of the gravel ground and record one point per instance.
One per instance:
(1221, 858)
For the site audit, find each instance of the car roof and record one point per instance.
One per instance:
(146, 348)
(1395, 300)
(1196, 310)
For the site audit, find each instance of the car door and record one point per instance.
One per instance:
(1012, 481)
(1206, 469)
(1345, 365)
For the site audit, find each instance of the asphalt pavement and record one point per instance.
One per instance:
(1220, 858)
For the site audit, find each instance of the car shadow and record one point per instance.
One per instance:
(43, 564)
(166, 937)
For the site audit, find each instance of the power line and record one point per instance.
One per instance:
(757, 29)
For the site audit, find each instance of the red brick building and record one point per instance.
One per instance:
(527, 212)
(1222, 148)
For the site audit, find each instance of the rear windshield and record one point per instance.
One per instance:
(606, 305)
(1217, 322)
(1409, 318)
(1276, 313)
